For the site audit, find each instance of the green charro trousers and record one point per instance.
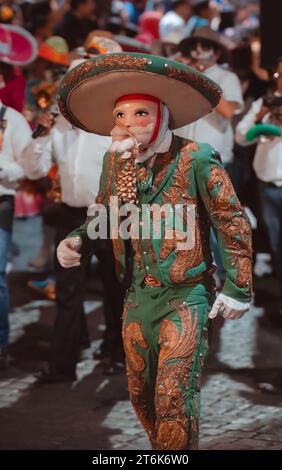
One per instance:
(165, 334)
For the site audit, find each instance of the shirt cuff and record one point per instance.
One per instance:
(232, 303)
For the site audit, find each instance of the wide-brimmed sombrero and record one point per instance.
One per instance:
(205, 34)
(100, 44)
(17, 46)
(88, 93)
(55, 49)
(94, 46)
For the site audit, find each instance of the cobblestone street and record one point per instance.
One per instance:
(241, 395)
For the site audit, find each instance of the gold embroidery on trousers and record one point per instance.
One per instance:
(175, 363)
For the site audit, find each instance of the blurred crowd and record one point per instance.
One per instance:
(48, 168)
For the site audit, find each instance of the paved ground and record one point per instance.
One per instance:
(241, 397)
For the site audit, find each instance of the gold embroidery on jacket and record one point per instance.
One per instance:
(126, 180)
(232, 222)
(136, 245)
(244, 274)
(152, 252)
(178, 193)
(110, 170)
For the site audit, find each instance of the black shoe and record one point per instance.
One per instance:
(4, 359)
(50, 376)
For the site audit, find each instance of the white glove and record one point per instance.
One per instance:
(68, 252)
(228, 307)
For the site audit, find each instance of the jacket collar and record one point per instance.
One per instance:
(163, 168)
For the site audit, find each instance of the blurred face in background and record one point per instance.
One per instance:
(203, 52)
(205, 11)
(86, 8)
(184, 10)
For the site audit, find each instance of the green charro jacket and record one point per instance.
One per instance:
(189, 174)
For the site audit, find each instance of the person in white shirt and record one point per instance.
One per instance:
(79, 156)
(203, 50)
(173, 23)
(15, 134)
(268, 167)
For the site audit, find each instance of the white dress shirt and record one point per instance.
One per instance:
(15, 137)
(79, 156)
(215, 128)
(268, 157)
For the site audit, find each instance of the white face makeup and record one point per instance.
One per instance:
(139, 117)
(203, 53)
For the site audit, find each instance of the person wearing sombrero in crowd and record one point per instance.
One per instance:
(51, 63)
(170, 296)
(79, 157)
(18, 47)
(203, 50)
(263, 125)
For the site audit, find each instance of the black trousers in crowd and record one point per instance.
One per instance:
(70, 328)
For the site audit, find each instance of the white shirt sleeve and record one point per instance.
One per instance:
(20, 136)
(247, 122)
(36, 158)
(232, 90)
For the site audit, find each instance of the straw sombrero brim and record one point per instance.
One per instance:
(88, 92)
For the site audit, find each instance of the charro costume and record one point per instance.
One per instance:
(165, 322)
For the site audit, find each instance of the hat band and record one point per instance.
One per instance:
(138, 96)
